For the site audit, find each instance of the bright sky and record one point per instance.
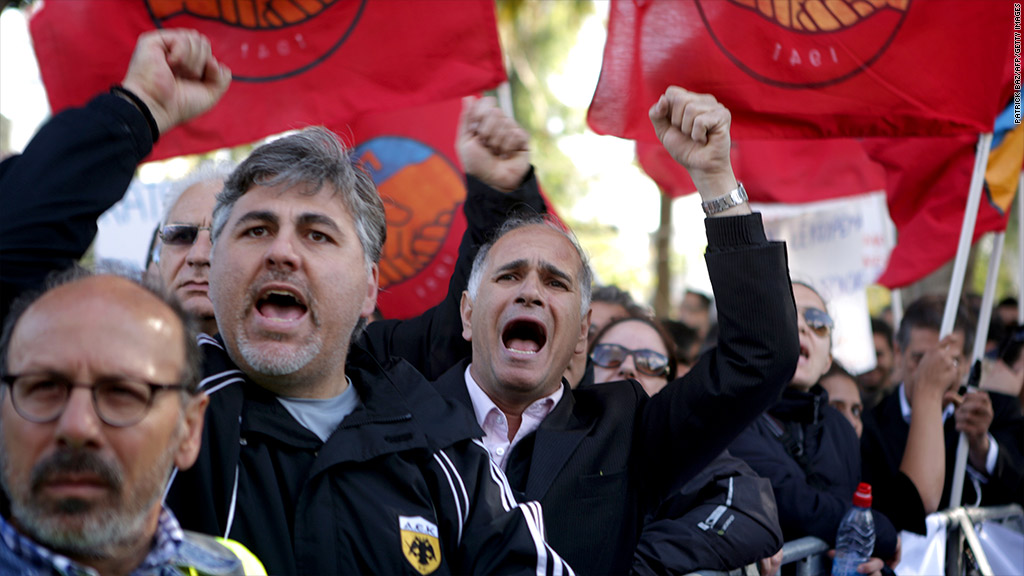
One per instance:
(606, 162)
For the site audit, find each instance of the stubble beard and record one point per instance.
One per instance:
(277, 362)
(80, 528)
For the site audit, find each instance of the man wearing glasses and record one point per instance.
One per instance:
(99, 402)
(598, 457)
(179, 258)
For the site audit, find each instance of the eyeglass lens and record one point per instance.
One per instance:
(180, 234)
(647, 361)
(818, 320)
(42, 398)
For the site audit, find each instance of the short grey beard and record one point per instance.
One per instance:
(104, 529)
(276, 365)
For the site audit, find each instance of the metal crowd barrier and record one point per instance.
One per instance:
(808, 556)
(963, 549)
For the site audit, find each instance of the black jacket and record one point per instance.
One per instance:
(812, 496)
(885, 440)
(722, 519)
(406, 456)
(77, 166)
(606, 454)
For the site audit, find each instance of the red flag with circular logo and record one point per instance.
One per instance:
(811, 68)
(295, 62)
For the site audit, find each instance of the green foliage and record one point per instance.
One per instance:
(536, 38)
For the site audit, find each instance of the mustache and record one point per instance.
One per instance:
(70, 462)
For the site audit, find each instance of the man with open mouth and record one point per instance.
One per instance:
(319, 455)
(598, 457)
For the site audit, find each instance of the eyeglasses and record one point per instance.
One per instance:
(119, 402)
(181, 234)
(819, 321)
(647, 361)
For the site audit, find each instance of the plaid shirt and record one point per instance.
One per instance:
(161, 560)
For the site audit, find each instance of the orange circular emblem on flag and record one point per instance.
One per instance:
(263, 40)
(421, 190)
(803, 43)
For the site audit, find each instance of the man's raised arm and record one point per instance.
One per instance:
(758, 345)
(82, 160)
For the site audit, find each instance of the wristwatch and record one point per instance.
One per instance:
(725, 201)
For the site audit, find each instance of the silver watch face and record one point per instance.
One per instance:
(726, 201)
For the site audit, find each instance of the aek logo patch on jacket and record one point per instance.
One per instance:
(420, 543)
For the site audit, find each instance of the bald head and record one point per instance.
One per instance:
(79, 305)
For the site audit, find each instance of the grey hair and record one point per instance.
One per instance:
(480, 262)
(191, 371)
(311, 159)
(206, 172)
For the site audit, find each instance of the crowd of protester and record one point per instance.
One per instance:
(531, 422)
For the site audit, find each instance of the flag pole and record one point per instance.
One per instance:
(956, 288)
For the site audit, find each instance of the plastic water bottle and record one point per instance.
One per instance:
(855, 540)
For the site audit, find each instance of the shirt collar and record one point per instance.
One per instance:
(538, 410)
(905, 408)
(165, 545)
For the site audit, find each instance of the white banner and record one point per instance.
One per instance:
(839, 247)
(126, 229)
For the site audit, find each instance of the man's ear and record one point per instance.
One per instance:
(466, 311)
(372, 286)
(581, 343)
(192, 432)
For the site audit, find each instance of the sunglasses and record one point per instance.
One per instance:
(647, 361)
(819, 321)
(181, 234)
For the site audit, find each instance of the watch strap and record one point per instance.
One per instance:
(722, 203)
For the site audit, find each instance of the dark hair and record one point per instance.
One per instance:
(612, 294)
(879, 326)
(705, 301)
(666, 339)
(684, 337)
(192, 370)
(837, 370)
(926, 313)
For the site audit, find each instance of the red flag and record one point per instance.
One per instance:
(928, 181)
(785, 171)
(807, 68)
(411, 155)
(295, 62)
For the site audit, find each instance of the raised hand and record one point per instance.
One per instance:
(492, 146)
(694, 129)
(175, 74)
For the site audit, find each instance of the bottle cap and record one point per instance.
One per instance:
(862, 497)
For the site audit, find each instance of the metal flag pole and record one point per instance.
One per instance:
(956, 287)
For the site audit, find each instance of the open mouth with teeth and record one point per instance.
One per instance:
(524, 336)
(280, 305)
(805, 352)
